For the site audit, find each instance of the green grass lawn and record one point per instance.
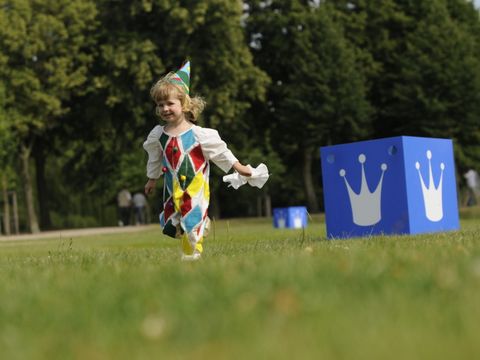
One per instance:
(258, 293)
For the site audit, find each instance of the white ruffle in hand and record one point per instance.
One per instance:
(258, 178)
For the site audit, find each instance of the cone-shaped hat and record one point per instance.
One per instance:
(182, 77)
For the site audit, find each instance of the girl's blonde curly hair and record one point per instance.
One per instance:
(165, 89)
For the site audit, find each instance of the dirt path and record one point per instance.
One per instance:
(77, 232)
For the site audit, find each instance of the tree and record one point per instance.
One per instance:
(47, 47)
(317, 96)
(139, 43)
(440, 92)
(441, 74)
(107, 122)
(7, 148)
(425, 75)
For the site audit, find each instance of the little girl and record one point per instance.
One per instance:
(181, 151)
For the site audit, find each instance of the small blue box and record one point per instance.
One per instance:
(398, 185)
(294, 217)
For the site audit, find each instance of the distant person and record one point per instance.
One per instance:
(124, 201)
(181, 151)
(139, 206)
(473, 185)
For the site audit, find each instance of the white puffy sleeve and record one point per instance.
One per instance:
(154, 150)
(214, 148)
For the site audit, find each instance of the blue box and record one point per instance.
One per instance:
(398, 185)
(294, 217)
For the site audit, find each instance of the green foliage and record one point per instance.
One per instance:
(280, 78)
(426, 68)
(139, 43)
(257, 293)
(318, 92)
(7, 140)
(441, 78)
(132, 171)
(324, 94)
(107, 121)
(46, 47)
(73, 221)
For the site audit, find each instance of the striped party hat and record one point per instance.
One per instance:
(182, 77)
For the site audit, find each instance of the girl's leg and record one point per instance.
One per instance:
(199, 246)
(187, 247)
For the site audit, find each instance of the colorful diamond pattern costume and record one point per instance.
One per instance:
(184, 161)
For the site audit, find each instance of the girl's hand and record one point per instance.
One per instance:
(242, 169)
(150, 186)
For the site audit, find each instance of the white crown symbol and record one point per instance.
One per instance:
(432, 197)
(366, 205)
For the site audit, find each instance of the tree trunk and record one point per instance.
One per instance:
(42, 189)
(214, 208)
(6, 207)
(268, 205)
(308, 181)
(259, 206)
(15, 212)
(28, 188)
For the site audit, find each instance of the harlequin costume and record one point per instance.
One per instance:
(184, 161)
